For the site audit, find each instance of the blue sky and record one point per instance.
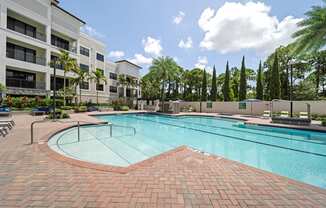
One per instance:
(213, 31)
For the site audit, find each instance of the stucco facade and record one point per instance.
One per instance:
(32, 32)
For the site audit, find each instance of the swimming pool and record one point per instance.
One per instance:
(300, 155)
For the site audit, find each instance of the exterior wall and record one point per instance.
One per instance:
(258, 108)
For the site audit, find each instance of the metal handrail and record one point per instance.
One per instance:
(128, 127)
(77, 122)
(78, 126)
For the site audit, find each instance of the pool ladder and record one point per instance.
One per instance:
(78, 124)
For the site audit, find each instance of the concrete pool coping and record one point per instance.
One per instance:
(44, 147)
(250, 120)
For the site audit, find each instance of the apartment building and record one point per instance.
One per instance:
(32, 33)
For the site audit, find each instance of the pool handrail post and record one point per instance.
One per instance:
(110, 124)
(78, 125)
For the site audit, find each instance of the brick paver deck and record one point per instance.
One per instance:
(30, 178)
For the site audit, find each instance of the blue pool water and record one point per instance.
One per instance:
(300, 155)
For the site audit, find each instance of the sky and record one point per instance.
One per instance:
(196, 33)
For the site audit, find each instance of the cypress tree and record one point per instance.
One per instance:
(226, 86)
(204, 87)
(214, 87)
(243, 81)
(259, 87)
(275, 80)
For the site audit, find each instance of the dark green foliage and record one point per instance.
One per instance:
(243, 81)
(204, 87)
(259, 87)
(323, 122)
(226, 85)
(275, 80)
(214, 86)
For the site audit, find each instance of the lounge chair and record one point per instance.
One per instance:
(6, 124)
(3, 131)
(267, 114)
(40, 111)
(8, 120)
(304, 115)
(284, 114)
(5, 111)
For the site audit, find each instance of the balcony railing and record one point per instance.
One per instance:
(21, 83)
(37, 35)
(21, 56)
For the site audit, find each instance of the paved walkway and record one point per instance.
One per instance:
(29, 178)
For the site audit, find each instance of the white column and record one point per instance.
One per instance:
(3, 42)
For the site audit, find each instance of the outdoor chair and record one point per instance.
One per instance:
(3, 131)
(303, 115)
(267, 114)
(5, 111)
(40, 111)
(284, 114)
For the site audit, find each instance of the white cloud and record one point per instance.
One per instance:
(152, 46)
(92, 32)
(179, 18)
(140, 59)
(237, 26)
(116, 54)
(186, 44)
(201, 62)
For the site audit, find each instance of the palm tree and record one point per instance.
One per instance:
(122, 81)
(311, 36)
(3, 89)
(68, 64)
(126, 81)
(81, 77)
(164, 67)
(98, 77)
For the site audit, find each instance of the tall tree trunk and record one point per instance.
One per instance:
(64, 88)
(162, 95)
(317, 79)
(80, 92)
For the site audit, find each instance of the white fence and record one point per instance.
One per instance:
(257, 108)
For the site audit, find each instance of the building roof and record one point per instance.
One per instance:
(126, 61)
(65, 11)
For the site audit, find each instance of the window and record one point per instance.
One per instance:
(84, 51)
(59, 83)
(99, 57)
(84, 86)
(20, 53)
(58, 65)
(84, 67)
(99, 87)
(20, 79)
(113, 76)
(59, 42)
(21, 27)
(113, 89)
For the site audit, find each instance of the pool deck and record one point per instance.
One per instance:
(182, 178)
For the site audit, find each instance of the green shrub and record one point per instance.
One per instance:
(323, 122)
(65, 107)
(60, 114)
(80, 109)
(64, 115)
(124, 108)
